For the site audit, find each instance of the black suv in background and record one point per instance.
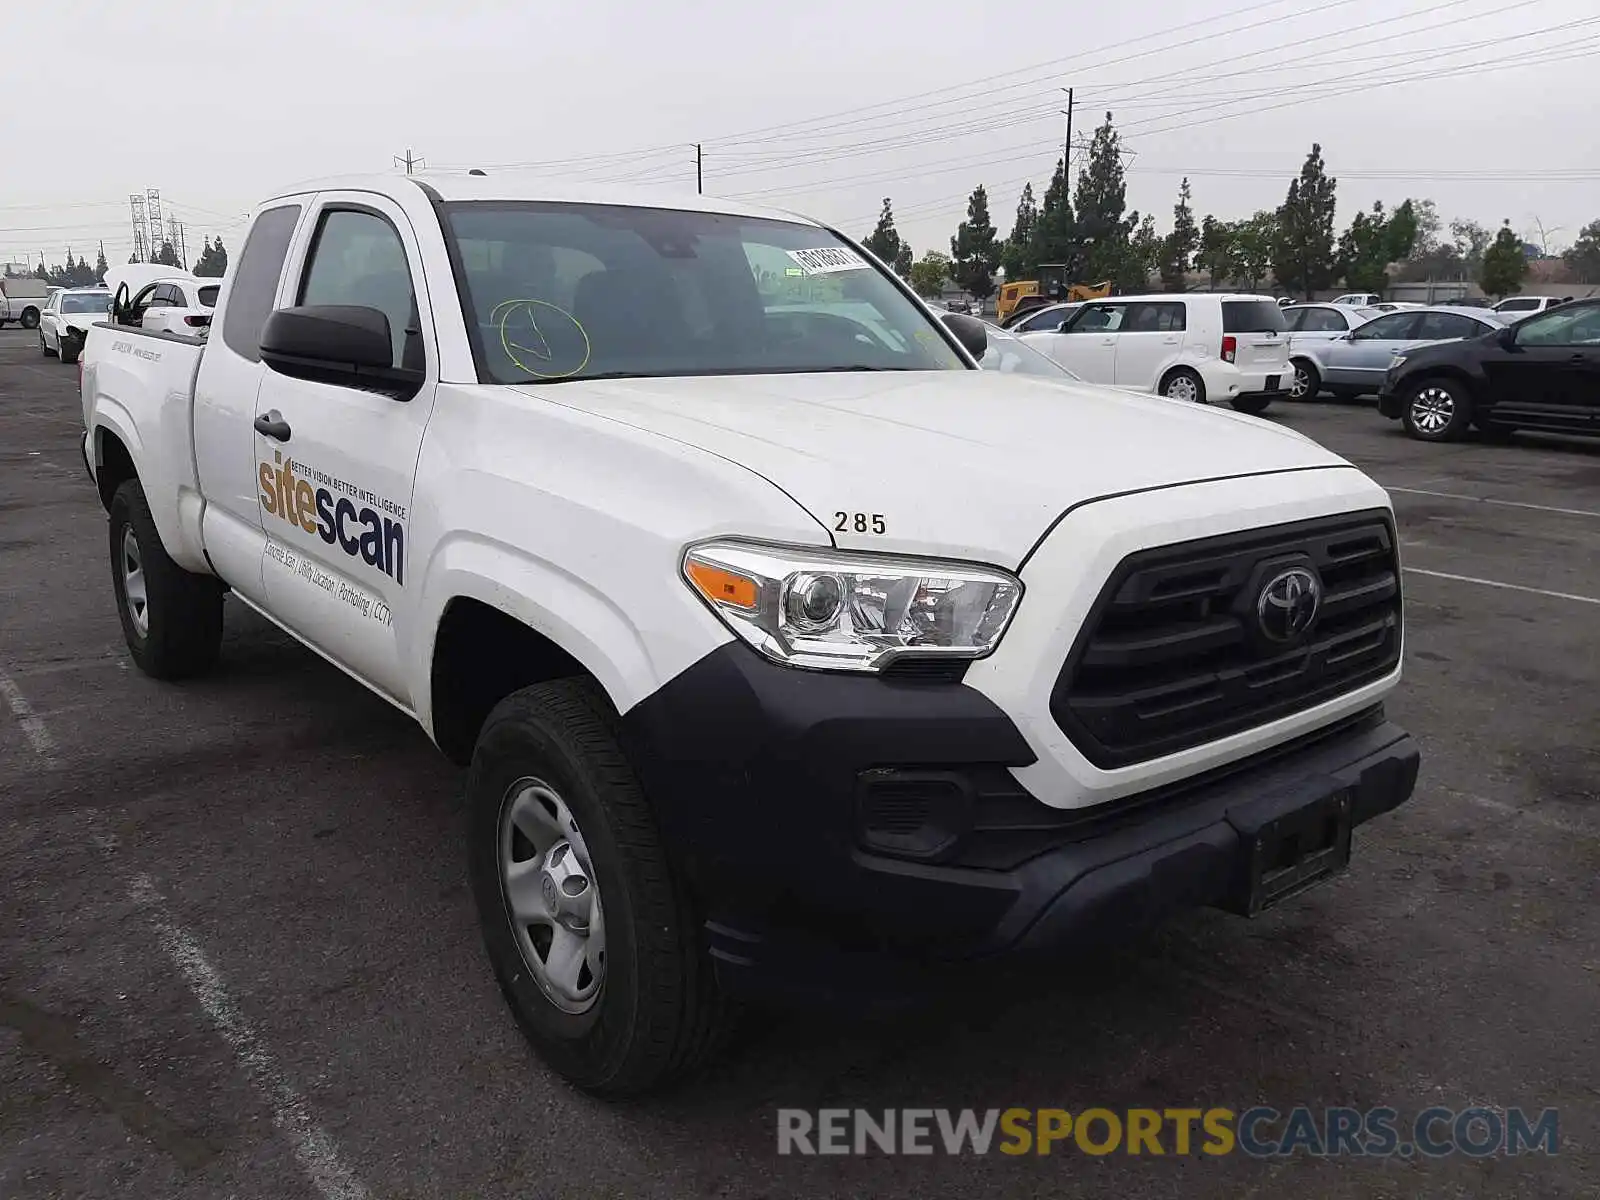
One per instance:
(1541, 373)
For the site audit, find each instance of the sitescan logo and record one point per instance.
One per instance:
(304, 497)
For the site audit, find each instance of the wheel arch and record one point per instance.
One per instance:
(497, 620)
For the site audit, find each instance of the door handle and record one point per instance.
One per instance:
(1169, 341)
(1110, 341)
(272, 425)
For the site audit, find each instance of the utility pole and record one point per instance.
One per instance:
(1066, 147)
(410, 163)
(699, 170)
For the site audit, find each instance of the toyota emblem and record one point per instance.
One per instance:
(1288, 604)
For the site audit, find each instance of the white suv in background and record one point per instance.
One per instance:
(176, 305)
(1204, 347)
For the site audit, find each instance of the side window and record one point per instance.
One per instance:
(146, 299)
(255, 281)
(1294, 319)
(1151, 317)
(1396, 327)
(1042, 322)
(1098, 318)
(1563, 326)
(1444, 326)
(358, 258)
(1324, 320)
(1172, 318)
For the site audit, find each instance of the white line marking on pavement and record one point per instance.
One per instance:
(1524, 814)
(312, 1146)
(33, 727)
(1566, 512)
(1510, 587)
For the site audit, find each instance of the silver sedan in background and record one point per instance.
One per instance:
(1353, 364)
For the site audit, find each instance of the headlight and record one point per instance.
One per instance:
(835, 610)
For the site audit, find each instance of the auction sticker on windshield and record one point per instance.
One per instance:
(827, 260)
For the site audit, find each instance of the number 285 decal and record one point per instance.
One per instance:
(845, 522)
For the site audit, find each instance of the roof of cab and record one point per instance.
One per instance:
(514, 185)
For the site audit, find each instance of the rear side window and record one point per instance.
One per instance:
(1252, 316)
(1323, 320)
(1154, 318)
(1517, 305)
(1446, 326)
(255, 283)
(208, 295)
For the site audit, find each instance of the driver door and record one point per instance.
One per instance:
(1360, 358)
(1087, 344)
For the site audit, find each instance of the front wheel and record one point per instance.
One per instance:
(171, 618)
(1184, 384)
(68, 351)
(44, 347)
(592, 937)
(1307, 380)
(1437, 410)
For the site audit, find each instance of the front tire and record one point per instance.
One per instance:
(563, 845)
(1307, 383)
(171, 618)
(44, 347)
(1184, 384)
(68, 349)
(1437, 410)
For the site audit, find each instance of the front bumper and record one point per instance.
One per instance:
(846, 834)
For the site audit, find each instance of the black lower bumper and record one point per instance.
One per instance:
(1390, 404)
(845, 831)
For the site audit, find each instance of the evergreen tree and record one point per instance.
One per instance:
(884, 241)
(1304, 259)
(1179, 246)
(167, 256)
(975, 248)
(1254, 244)
(903, 261)
(219, 256)
(1141, 255)
(1584, 255)
(1014, 256)
(100, 267)
(1054, 234)
(1218, 250)
(1101, 196)
(1505, 264)
(928, 274)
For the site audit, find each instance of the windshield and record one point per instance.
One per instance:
(86, 302)
(1010, 355)
(576, 291)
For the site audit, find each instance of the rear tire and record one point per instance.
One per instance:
(30, 318)
(1183, 384)
(653, 1010)
(1254, 405)
(1307, 383)
(171, 618)
(1437, 410)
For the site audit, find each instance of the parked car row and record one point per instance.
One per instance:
(153, 297)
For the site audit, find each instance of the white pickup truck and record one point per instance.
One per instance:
(788, 650)
(22, 301)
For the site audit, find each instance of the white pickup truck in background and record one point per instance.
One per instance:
(786, 648)
(22, 301)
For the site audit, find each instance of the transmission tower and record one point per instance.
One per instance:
(141, 246)
(152, 212)
(175, 236)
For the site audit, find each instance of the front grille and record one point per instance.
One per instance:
(1171, 655)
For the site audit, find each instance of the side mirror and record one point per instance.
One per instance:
(969, 331)
(1506, 336)
(346, 345)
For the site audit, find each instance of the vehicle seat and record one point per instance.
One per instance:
(629, 316)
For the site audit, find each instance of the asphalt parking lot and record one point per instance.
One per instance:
(238, 956)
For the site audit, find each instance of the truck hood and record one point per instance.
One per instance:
(963, 464)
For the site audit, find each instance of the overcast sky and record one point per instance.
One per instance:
(1486, 106)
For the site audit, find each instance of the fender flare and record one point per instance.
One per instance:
(552, 602)
(110, 416)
